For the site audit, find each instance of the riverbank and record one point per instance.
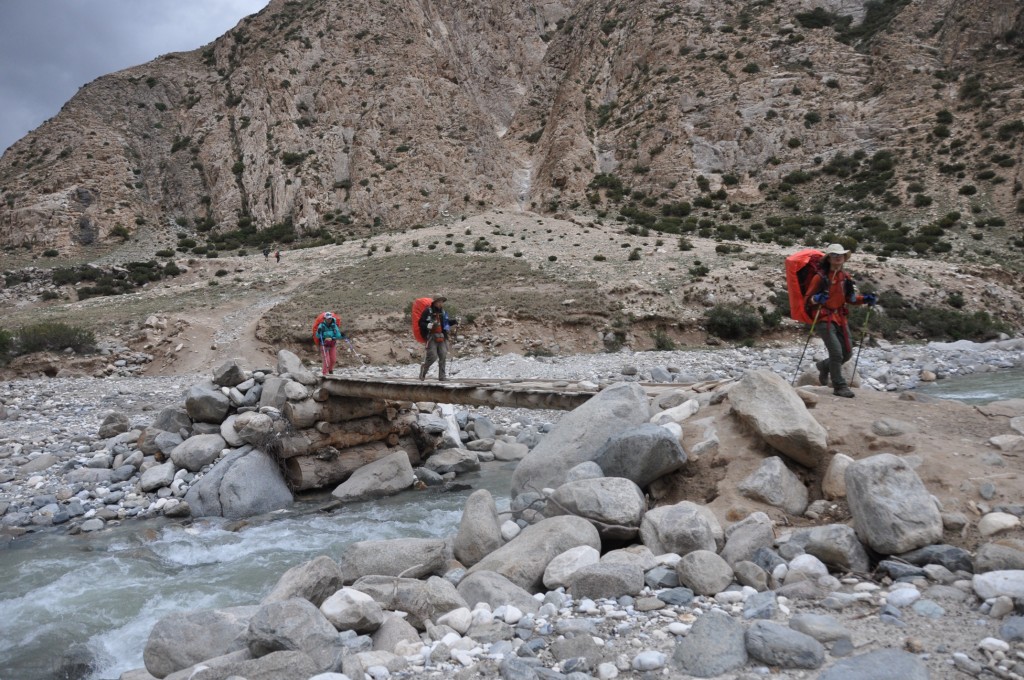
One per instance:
(62, 416)
(50, 426)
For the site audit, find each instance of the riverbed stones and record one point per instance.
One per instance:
(833, 484)
(746, 537)
(773, 483)
(606, 580)
(185, 638)
(158, 476)
(579, 435)
(479, 531)
(288, 363)
(892, 511)
(766, 403)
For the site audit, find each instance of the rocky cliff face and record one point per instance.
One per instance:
(351, 117)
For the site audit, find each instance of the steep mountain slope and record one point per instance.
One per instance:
(889, 123)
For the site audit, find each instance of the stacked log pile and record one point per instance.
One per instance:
(331, 437)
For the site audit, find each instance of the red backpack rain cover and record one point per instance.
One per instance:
(319, 319)
(801, 267)
(418, 305)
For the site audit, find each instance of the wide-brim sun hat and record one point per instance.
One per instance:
(328, 315)
(836, 249)
(440, 298)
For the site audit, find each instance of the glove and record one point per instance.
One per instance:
(820, 298)
(430, 326)
(870, 299)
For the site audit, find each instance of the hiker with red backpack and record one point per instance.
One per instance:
(326, 334)
(828, 293)
(431, 325)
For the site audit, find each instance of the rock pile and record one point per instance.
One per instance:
(581, 579)
(240, 445)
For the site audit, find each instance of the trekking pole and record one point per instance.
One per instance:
(809, 335)
(354, 352)
(863, 335)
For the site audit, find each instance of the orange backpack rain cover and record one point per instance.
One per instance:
(319, 319)
(800, 269)
(418, 305)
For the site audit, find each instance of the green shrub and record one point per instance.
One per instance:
(6, 342)
(221, 272)
(733, 321)
(166, 252)
(51, 252)
(53, 336)
(634, 255)
(662, 341)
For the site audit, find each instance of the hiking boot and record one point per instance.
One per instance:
(823, 374)
(843, 391)
(423, 372)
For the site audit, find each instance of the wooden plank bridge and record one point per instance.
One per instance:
(563, 395)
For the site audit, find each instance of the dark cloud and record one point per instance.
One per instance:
(50, 48)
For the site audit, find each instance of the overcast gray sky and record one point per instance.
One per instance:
(50, 48)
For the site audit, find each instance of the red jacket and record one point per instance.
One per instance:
(834, 310)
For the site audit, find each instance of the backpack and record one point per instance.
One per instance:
(801, 267)
(419, 305)
(319, 320)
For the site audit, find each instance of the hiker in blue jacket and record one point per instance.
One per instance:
(328, 334)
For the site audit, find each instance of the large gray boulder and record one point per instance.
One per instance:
(784, 647)
(383, 477)
(767, 404)
(185, 638)
(773, 483)
(229, 374)
(172, 419)
(642, 454)
(421, 600)
(197, 452)
(295, 625)
(614, 505)
(351, 609)
(880, 664)
(579, 435)
(273, 392)
(244, 483)
(157, 476)
(315, 581)
(495, 590)
(606, 580)
(205, 403)
(715, 645)
(891, 509)
(680, 528)
(407, 557)
(479, 529)
(524, 559)
(114, 423)
(290, 363)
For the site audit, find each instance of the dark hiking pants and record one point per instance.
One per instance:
(840, 350)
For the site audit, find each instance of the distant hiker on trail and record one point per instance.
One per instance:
(266, 252)
(434, 325)
(326, 333)
(277, 256)
(830, 291)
